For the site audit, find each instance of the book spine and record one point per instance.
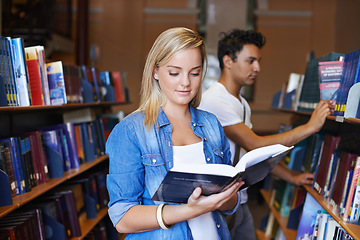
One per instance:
(21, 75)
(36, 89)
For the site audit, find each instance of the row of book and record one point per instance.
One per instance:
(58, 214)
(27, 78)
(337, 178)
(35, 157)
(335, 162)
(329, 77)
(316, 223)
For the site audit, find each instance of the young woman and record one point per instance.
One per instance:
(165, 130)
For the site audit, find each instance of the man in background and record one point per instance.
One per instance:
(239, 56)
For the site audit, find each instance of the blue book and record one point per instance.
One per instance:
(349, 77)
(20, 72)
(69, 144)
(54, 154)
(17, 164)
(55, 77)
(309, 218)
(10, 62)
(97, 85)
(3, 100)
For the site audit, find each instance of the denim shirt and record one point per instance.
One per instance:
(141, 157)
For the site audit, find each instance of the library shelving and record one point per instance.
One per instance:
(349, 127)
(17, 120)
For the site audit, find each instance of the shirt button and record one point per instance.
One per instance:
(154, 160)
(218, 225)
(208, 159)
(222, 153)
(194, 124)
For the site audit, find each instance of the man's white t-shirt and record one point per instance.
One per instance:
(229, 111)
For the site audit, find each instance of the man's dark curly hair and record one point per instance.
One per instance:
(232, 43)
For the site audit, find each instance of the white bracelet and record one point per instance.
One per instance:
(159, 217)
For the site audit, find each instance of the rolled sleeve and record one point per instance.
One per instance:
(229, 212)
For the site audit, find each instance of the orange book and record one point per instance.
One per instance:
(119, 89)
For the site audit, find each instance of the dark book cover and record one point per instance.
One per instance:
(177, 186)
(36, 144)
(6, 71)
(313, 151)
(329, 148)
(346, 164)
(71, 213)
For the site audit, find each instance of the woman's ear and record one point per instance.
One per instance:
(155, 73)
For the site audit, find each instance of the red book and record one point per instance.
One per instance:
(346, 164)
(34, 76)
(330, 146)
(40, 156)
(118, 86)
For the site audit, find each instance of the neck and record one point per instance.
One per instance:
(231, 86)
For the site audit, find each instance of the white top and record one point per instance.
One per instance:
(229, 111)
(202, 227)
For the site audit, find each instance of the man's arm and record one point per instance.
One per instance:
(247, 139)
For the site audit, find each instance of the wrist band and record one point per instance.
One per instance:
(159, 217)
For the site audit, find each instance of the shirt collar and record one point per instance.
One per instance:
(195, 121)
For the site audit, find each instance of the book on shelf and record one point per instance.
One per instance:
(108, 86)
(330, 73)
(349, 77)
(255, 165)
(346, 166)
(33, 65)
(8, 72)
(354, 201)
(310, 92)
(324, 164)
(54, 155)
(21, 72)
(97, 84)
(55, 76)
(118, 86)
(8, 166)
(309, 220)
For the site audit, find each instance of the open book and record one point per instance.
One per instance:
(255, 165)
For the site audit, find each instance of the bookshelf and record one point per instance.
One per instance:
(17, 120)
(348, 127)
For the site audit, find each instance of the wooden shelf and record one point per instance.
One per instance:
(289, 233)
(260, 235)
(20, 200)
(352, 229)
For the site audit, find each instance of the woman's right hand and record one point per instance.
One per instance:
(198, 204)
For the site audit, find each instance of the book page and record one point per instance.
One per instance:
(259, 154)
(212, 169)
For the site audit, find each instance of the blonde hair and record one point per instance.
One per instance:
(167, 44)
